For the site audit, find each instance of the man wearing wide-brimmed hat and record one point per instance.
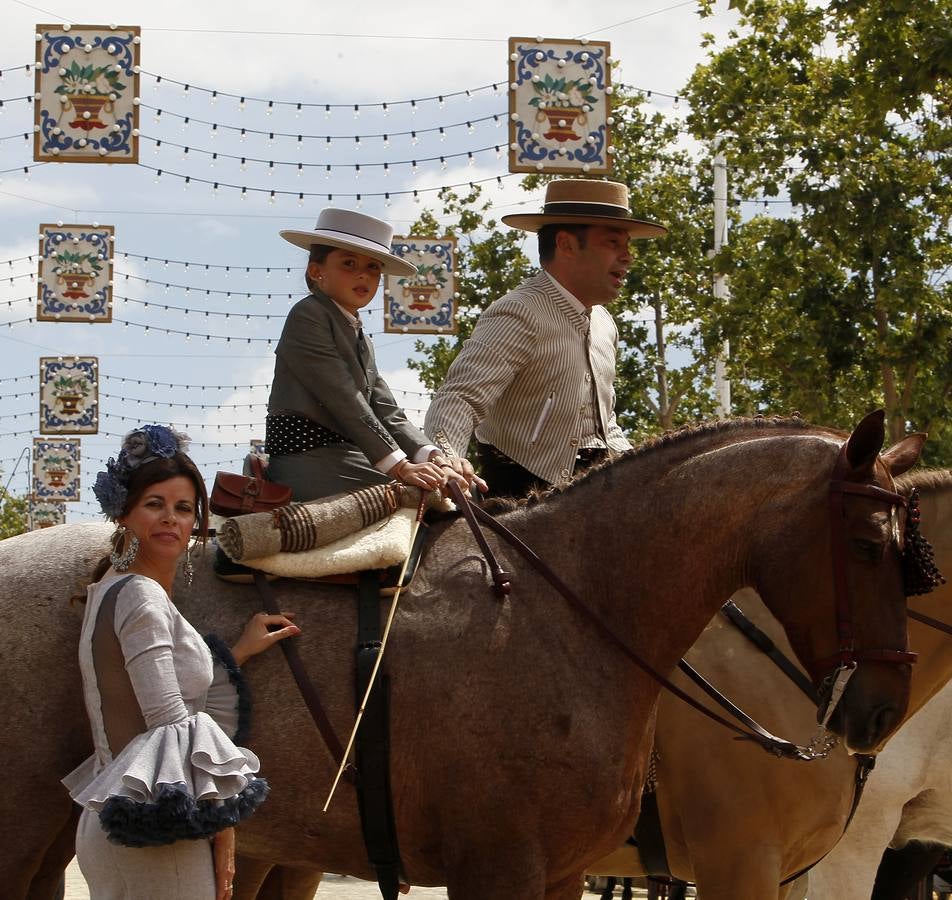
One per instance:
(535, 380)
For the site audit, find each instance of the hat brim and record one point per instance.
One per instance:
(636, 228)
(392, 265)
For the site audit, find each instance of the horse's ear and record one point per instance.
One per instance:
(902, 456)
(865, 442)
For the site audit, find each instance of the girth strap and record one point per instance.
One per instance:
(303, 680)
(374, 796)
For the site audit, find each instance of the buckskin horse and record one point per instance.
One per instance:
(909, 797)
(520, 729)
(716, 805)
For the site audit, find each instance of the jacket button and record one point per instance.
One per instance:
(565, 473)
(588, 376)
(574, 442)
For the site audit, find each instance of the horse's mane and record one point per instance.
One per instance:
(685, 435)
(926, 479)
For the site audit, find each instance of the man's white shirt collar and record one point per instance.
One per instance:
(572, 300)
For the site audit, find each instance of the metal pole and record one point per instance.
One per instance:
(722, 385)
(6, 487)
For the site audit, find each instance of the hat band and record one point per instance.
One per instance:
(570, 208)
(350, 234)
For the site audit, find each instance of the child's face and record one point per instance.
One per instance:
(349, 278)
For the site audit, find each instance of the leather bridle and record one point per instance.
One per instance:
(842, 664)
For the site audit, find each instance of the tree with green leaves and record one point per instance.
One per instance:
(664, 367)
(489, 263)
(13, 514)
(841, 301)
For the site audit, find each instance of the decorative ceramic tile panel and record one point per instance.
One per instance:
(424, 303)
(69, 395)
(75, 275)
(44, 513)
(560, 106)
(87, 94)
(56, 469)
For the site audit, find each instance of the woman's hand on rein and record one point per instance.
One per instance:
(258, 635)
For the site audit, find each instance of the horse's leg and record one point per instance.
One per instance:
(745, 878)
(285, 883)
(250, 875)
(48, 880)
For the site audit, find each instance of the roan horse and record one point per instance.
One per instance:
(909, 796)
(519, 738)
(716, 806)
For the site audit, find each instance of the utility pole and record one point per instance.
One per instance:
(722, 385)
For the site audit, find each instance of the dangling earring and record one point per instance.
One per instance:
(188, 570)
(122, 561)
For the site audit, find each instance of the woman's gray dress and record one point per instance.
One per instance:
(165, 774)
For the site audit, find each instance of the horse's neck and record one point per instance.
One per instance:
(657, 546)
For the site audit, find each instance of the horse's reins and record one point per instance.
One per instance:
(758, 734)
(845, 660)
(865, 762)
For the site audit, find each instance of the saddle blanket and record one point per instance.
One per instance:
(379, 546)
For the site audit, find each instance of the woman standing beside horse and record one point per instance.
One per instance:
(164, 776)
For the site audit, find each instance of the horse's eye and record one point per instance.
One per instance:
(871, 551)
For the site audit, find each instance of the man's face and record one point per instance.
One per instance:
(599, 267)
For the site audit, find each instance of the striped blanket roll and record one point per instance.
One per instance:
(304, 526)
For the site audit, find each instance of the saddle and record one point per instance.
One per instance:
(324, 540)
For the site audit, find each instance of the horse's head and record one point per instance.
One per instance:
(853, 642)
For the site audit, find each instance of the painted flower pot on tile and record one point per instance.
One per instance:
(69, 403)
(76, 284)
(57, 477)
(88, 107)
(421, 295)
(562, 123)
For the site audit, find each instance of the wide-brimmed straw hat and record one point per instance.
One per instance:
(583, 201)
(348, 230)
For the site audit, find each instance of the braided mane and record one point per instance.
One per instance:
(685, 435)
(925, 480)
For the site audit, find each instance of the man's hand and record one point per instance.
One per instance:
(459, 468)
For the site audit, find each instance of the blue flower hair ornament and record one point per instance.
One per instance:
(138, 447)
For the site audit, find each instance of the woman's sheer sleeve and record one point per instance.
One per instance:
(229, 700)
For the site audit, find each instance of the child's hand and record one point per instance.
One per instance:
(428, 476)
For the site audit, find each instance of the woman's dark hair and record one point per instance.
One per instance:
(154, 472)
(547, 233)
(319, 253)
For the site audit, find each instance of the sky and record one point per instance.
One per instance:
(308, 52)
